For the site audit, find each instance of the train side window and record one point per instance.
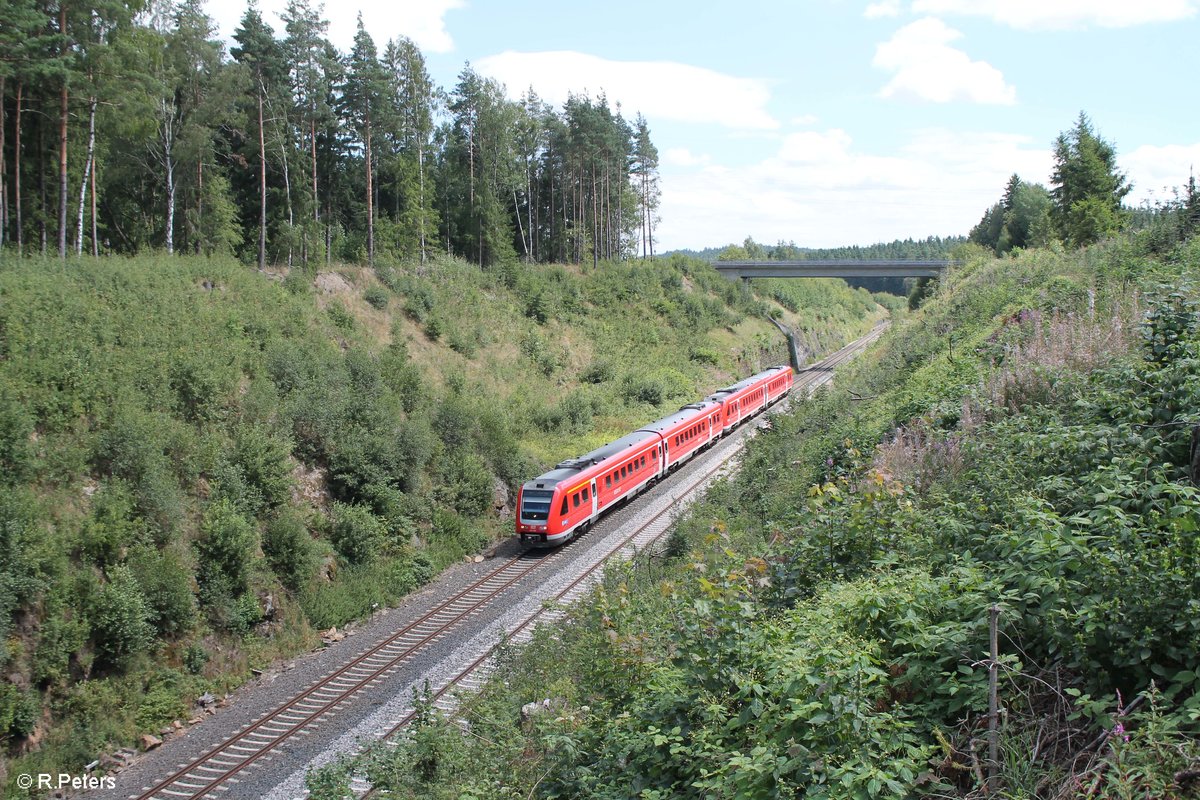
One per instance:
(587, 494)
(562, 512)
(643, 462)
(575, 500)
(608, 481)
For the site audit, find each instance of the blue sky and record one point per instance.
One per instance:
(830, 122)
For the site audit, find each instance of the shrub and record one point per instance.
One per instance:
(60, 637)
(226, 547)
(19, 712)
(194, 658)
(341, 318)
(133, 446)
(265, 461)
(111, 528)
(434, 328)
(601, 370)
(166, 584)
(377, 297)
(120, 620)
(289, 549)
(356, 533)
(16, 428)
(161, 702)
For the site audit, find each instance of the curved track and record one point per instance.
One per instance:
(211, 774)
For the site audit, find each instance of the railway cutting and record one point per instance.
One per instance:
(444, 638)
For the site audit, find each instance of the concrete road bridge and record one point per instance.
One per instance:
(832, 268)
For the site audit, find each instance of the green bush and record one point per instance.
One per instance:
(120, 620)
(19, 712)
(112, 526)
(61, 637)
(194, 658)
(341, 317)
(377, 297)
(166, 584)
(17, 455)
(601, 370)
(356, 534)
(289, 549)
(265, 461)
(225, 548)
(134, 446)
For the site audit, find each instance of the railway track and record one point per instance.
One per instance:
(475, 674)
(217, 770)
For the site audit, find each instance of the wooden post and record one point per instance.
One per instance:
(993, 699)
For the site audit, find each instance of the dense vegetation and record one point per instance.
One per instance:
(131, 129)
(202, 466)
(818, 627)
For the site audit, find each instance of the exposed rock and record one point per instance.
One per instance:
(308, 485)
(177, 725)
(501, 498)
(205, 700)
(478, 559)
(329, 568)
(535, 709)
(267, 603)
(150, 742)
(331, 283)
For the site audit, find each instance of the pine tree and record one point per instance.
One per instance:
(1086, 188)
(362, 103)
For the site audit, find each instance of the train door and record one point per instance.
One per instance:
(595, 499)
(666, 454)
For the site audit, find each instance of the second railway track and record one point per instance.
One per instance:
(217, 770)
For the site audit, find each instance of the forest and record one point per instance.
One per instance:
(126, 127)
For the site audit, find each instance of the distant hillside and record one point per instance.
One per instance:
(202, 466)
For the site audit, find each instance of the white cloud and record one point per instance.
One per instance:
(1058, 14)
(819, 191)
(661, 89)
(1156, 171)
(928, 68)
(804, 120)
(885, 8)
(423, 21)
(683, 157)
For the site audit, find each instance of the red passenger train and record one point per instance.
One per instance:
(557, 506)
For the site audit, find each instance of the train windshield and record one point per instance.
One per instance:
(535, 504)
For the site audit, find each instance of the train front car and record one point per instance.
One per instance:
(559, 505)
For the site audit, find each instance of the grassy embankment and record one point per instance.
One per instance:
(201, 467)
(819, 627)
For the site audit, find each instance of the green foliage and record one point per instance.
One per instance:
(166, 584)
(60, 638)
(340, 317)
(120, 620)
(356, 533)
(289, 549)
(1086, 186)
(377, 297)
(194, 658)
(19, 712)
(225, 549)
(16, 430)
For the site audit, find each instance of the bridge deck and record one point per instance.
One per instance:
(832, 268)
